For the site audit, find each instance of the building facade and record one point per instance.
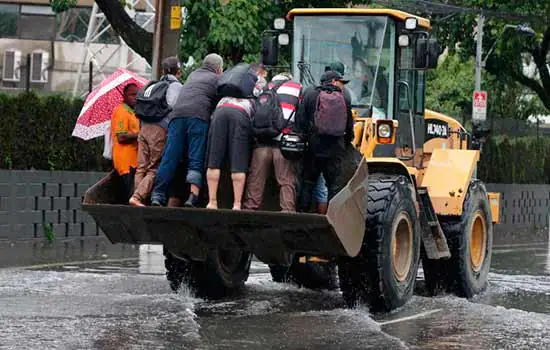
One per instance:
(45, 50)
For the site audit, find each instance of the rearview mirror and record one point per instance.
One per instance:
(270, 50)
(421, 53)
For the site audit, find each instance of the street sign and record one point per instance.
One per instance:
(175, 18)
(479, 105)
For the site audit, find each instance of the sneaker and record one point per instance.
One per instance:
(156, 203)
(192, 201)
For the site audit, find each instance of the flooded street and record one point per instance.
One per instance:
(122, 301)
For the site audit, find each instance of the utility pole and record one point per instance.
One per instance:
(479, 66)
(167, 32)
(479, 51)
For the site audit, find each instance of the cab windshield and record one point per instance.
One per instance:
(363, 45)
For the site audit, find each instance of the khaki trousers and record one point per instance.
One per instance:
(260, 167)
(151, 142)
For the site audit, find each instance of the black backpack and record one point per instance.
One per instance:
(238, 82)
(151, 105)
(268, 117)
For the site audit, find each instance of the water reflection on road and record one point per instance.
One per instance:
(127, 303)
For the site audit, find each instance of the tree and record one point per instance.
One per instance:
(230, 28)
(140, 40)
(451, 85)
(233, 28)
(513, 51)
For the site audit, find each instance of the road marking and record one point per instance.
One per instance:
(408, 318)
(43, 266)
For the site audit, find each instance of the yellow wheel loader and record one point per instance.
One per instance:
(409, 195)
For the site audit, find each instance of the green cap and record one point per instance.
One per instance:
(337, 67)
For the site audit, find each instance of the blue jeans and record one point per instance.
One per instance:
(320, 192)
(183, 133)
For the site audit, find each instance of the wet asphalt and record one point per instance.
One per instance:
(93, 295)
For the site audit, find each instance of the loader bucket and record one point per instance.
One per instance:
(270, 235)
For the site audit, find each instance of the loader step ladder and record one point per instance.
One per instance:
(434, 239)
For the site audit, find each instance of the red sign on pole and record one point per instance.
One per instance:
(479, 106)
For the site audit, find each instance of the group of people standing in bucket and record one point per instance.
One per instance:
(208, 129)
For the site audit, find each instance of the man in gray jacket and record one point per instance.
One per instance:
(188, 130)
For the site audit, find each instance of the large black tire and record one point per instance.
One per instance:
(470, 239)
(315, 275)
(280, 273)
(309, 275)
(220, 275)
(177, 270)
(383, 275)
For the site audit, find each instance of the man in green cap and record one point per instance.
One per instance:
(339, 67)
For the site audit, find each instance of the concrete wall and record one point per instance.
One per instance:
(524, 213)
(29, 200)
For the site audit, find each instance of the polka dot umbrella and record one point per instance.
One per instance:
(95, 117)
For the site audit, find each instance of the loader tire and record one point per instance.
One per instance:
(314, 275)
(384, 272)
(309, 275)
(177, 270)
(220, 275)
(280, 273)
(470, 240)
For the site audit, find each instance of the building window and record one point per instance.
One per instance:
(8, 20)
(36, 27)
(72, 25)
(35, 22)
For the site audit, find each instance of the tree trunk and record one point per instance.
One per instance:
(140, 40)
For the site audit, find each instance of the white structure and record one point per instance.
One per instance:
(49, 51)
(96, 28)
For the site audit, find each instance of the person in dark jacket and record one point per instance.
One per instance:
(188, 129)
(325, 152)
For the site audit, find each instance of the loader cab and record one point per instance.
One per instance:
(384, 54)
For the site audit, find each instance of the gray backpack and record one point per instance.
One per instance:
(331, 113)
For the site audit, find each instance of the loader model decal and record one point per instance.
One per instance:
(436, 129)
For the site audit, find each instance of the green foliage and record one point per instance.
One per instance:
(512, 50)
(49, 234)
(59, 6)
(451, 85)
(35, 133)
(523, 160)
(232, 29)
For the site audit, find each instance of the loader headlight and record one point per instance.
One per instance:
(384, 130)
